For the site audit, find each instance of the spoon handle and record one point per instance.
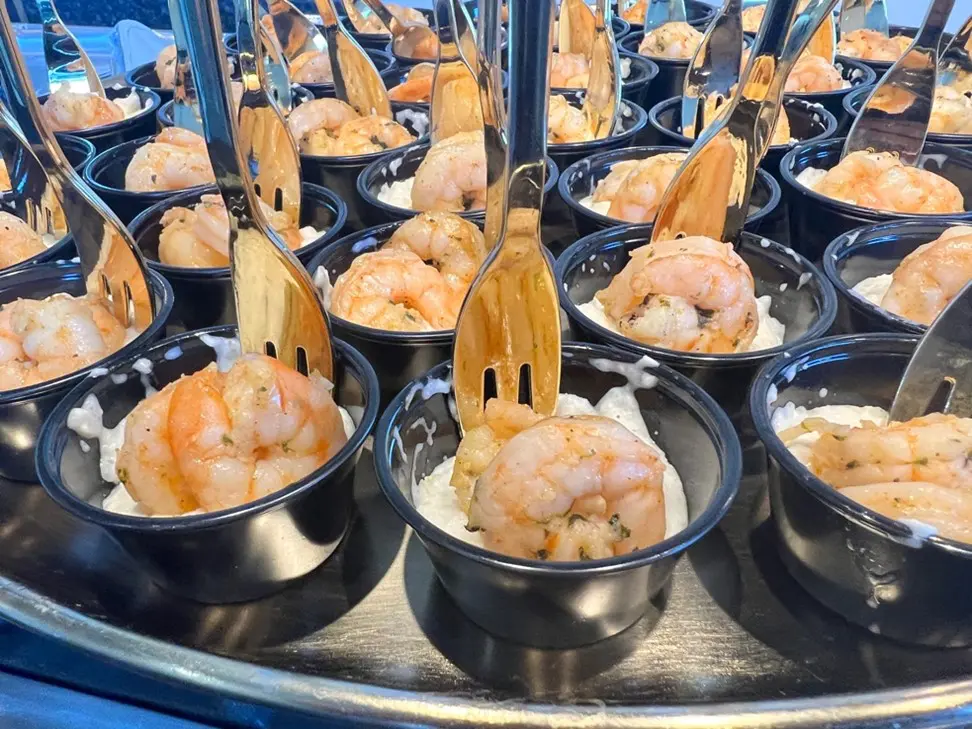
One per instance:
(715, 66)
(603, 95)
(63, 54)
(956, 58)
(494, 120)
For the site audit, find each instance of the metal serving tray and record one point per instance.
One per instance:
(372, 636)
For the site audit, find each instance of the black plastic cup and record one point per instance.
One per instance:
(342, 173)
(24, 410)
(882, 67)
(855, 73)
(164, 114)
(146, 75)
(855, 100)
(631, 121)
(398, 357)
(580, 180)
(106, 136)
(870, 569)
(379, 41)
(400, 164)
(698, 14)
(869, 251)
(204, 296)
(637, 74)
(803, 300)
(561, 604)
(225, 556)
(815, 219)
(77, 150)
(808, 123)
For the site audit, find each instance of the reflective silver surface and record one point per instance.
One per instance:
(67, 63)
(660, 12)
(895, 116)
(714, 69)
(295, 31)
(859, 14)
(955, 63)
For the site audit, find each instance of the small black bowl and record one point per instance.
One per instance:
(77, 150)
(146, 75)
(882, 67)
(561, 604)
(854, 72)
(698, 14)
(107, 136)
(379, 41)
(803, 300)
(341, 174)
(385, 64)
(637, 74)
(24, 410)
(445, 34)
(808, 123)
(869, 251)
(872, 570)
(204, 296)
(398, 357)
(164, 114)
(631, 121)
(106, 176)
(815, 219)
(580, 180)
(225, 556)
(855, 100)
(401, 164)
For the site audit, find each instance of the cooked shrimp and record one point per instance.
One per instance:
(365, 135)
(199, 237)
(951, 112)
(372, 24)
(752, 18)
(634, 13)
(948, 510)
(566, 123)
(931, 276)
(311, 67)
(165, 67)
(67, 111)
(417, 86)
(813, 74)
(880, 181)
(317, 114)
(671, 40)
(18, 241)
(569, 71)
(452, 177)
(5, 184)
(635, 187)
(932, 448)
(453, 245)
(174, 160)
(460, 110)
(693, 294)
(216, 440)
(571, 488)
(395, 290)
(872, 46)
(41, 340)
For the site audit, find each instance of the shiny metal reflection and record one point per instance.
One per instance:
(67, 63)
(295, 32)
(408, 38)
(449, 111)
(714, 70)
(861, 14)
(603, 96)
(660, 12)
(955, 65)
(576, 28)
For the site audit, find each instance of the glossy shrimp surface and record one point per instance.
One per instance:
(951, 111)
(880, 181)
(214, 440)
(453, 245)
(671, 40)
(331, 128)
(752, 18)
(198, 237)
(311, 67)
(929, 277)
(66, 111)
(813, 74)
(372, 24)
(174, 160)
(872, 46)
(567, 124)
(165, 67)
(569, 71)
(18, 241)
(452, 177)
(635, 187)
(693, 294)
(44, 339)
(417, 86)
(563, 488)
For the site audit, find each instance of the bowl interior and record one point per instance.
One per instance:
(77, 466)
(796, 289)
(630, 117)
(411, 116)
(424, 433)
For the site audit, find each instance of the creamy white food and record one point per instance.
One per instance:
(88, 422)
(397, 193)
(874, 288)
(436, 500)
(769, 333)
(811, 177)
(130, 104)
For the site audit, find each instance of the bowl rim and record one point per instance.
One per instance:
(651, 72)
(930, 147)
(638, 32)
(841, 346)
(407, 62)
(142, 68)
(361, 184)
(101, 159)
(830, 121)
(941, 137)
(328, 86)
(151, 101)
(58, 269)
(624, 153)
(584, 247)
(676, 386)
(622, 137)
(175, 197)
(382, 232)
(48, 468)
(846, 245)
(893, 28)
(870, 76)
